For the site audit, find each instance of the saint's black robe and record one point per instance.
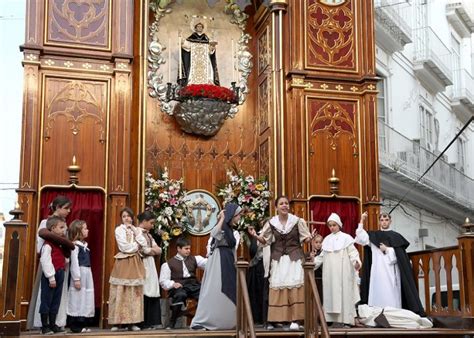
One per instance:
(409, 291)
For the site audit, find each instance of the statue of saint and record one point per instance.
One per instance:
(198, 54)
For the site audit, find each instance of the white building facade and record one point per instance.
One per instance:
(424, 52)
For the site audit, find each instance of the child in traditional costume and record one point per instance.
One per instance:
(341, 262)
(178, 277)
(53, 265)
(151, 288)
(81, 304)
(128, 275)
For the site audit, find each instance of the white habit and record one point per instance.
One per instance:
(398, 318)
(384, 286)
(341, 291)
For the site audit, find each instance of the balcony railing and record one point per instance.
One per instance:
(432, 53)
(406, 156)
(460, 14)
(463, 87)
(396, 18)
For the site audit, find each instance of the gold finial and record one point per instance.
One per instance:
(73, 169)
(17, 212)
(333, 183)
(469, 226)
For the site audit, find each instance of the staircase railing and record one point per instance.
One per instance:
(446, 278)
(313, 310)
(245, 325)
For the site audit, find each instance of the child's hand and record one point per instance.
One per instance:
(177, 285)
(312, 254)
(364, 217)
(252, 232)
(77, 284)
(52, 284)
(357, 266)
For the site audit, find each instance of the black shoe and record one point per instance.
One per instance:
(57, 329)
(46, 331)
(198, 327)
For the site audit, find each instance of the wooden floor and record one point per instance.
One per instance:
(352, 332)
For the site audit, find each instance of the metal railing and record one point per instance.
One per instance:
(398, 16)
(406, 156)
(463, 86)
(429, 47)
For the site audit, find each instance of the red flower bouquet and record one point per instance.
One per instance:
(207, 91)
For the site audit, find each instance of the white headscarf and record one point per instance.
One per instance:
(335, 218)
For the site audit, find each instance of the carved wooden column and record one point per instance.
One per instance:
(13, 274)
(278, 9)
(466, 247)
(29, 168)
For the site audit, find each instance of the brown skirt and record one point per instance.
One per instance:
(128, 271)
(286, 305)
(125, 304)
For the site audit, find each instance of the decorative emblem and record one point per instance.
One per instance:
(334, 119)
(201, 212)
(331, 34)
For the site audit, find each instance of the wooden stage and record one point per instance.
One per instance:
(352, 332)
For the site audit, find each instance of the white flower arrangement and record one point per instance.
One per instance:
(165, 198)
(252, 195)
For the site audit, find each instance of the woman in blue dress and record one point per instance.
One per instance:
(216, 308)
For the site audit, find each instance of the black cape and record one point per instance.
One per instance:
(410, 298)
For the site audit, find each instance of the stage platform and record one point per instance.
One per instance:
(187, 333)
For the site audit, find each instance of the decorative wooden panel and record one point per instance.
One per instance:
(74, 123)
(333, 132)
(264, 158)
(264, 104)
(203, 162)
(264, 50)
(85, 24)
(331, 36)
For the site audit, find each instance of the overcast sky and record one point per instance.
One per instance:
(12, 35)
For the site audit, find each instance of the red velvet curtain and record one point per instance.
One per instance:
(348, 210)
(88, 206)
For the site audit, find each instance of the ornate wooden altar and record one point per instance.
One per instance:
(310, 114)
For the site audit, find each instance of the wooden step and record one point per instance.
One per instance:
(184, 333)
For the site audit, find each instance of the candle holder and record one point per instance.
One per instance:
(73, 170)
(172, 92)
(333, 183)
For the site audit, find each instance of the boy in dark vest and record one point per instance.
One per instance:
(178, 276)
(53, 263)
